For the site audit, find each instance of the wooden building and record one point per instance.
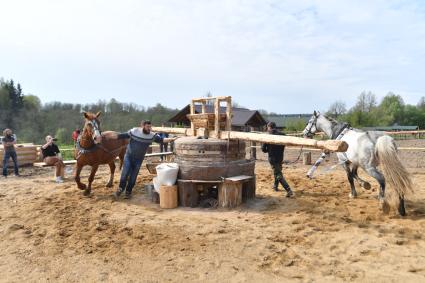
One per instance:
(243, 119)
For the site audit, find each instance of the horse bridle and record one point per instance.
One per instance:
(95, 126)
(313, 124)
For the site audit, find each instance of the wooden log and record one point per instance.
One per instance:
(188, 193)
(168, 197)
(307, 158)
(229, 194)
(175, 131)
(331, 145)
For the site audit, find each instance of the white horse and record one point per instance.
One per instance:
(367, 150)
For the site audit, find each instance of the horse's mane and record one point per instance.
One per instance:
(332, 120)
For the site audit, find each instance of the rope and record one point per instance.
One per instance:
(296, 160)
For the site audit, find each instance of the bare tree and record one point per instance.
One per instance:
(366, 101)
(337, 109)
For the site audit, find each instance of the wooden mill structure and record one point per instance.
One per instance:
(218, 125)
(212, 159)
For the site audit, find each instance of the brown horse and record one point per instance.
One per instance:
(93, 148)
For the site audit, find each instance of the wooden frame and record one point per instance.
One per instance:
(198, 129)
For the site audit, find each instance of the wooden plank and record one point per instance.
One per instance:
(200, 181)
(209, 98)
(43, 164)
(240, 178)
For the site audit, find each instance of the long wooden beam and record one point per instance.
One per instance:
(331, 145)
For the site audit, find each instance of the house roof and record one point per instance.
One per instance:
(241, 116)
(283, 121)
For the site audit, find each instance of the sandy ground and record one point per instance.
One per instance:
(53, 233)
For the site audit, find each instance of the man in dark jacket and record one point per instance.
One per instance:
(276, 159)
(9, 142)
(140, 140)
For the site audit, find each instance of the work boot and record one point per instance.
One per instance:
(127, 195)
(276, 186)
(118, 193)
(289, 193)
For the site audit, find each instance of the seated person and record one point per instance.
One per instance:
(51, 156)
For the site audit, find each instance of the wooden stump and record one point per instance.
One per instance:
(188, 194)
(248, 190)
(307, 158)
(229, 194)
(168, 197)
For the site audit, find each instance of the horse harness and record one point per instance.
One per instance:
(93, 148)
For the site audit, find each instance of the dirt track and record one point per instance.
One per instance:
(51, 232)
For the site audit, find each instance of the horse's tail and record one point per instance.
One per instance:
(397, 177)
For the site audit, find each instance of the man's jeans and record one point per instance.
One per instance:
(129, 173)
(7, 155)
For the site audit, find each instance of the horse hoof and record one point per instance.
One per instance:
(86, 192)
(366, 186)
(350, 195)
(109, 185)
(82, 187)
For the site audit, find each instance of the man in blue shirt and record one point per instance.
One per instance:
(140, 140)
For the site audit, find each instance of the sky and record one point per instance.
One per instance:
(282, 56)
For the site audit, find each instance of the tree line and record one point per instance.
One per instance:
(391, 110)
(31, 120)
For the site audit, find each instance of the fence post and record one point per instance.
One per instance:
(253, 147)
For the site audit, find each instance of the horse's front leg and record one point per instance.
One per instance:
(350, 177)
(111, 178)
(91, 178)
(80, 185)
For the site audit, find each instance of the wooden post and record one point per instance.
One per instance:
(253, 148)
(230, 194)
(168, 197)
(217, 117)
(307, 158)
(192, 111)
(248, 190)
(203, 107)
(188, 194)
(229, 114)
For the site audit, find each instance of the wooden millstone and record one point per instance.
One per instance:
(211, 159)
